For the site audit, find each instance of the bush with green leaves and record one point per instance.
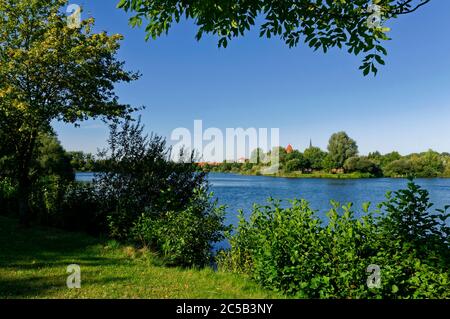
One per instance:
(291, 250)
(184, 238)
(81, 210)
(418, 240)
(140, 176)
(8, 196)
(51, 175)
(294, 251)
(363, 165)
(294, 165)
(399, 168)
(149, 198)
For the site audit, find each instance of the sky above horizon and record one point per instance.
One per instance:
(262, 83)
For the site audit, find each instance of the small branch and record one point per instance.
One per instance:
(402, 11)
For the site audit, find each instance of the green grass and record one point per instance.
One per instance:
(33, 264)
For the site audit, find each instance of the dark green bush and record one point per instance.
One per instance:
(8, 197)
(150, 199)
(293, 251)
(399, 168)
(139, 176)
(184, 238)
(82, 210)
(46, 198)
(363, 165)
(294, 165)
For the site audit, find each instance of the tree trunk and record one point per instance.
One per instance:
(24, 179)
(24, 198)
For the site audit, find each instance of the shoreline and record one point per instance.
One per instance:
(345, 176)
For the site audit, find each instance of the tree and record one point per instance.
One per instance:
(296, 164)
(320, 24)
(258, 156)
(362, 165)
(293, 154)
(53, 159)
(280, 153)
(389, 158)
(83, 162)
(51, 71)
(399, 168)
(428, 164)
(139, 178)
(341, 147)
(315, 156)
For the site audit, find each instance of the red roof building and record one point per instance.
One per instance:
(289, 149)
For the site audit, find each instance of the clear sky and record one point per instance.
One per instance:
(262, 83)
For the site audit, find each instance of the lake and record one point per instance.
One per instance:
(241, 192)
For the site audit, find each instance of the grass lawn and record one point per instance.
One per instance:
(33, 264)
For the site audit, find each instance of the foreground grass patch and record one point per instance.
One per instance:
(33, 264)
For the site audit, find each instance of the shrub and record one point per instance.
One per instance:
(8, 196)
(428, 164)
(184, 238)
(408, 218)
(291, 250)
(315, 157)
(399, 168)
(362, 165)
(81, 210)
(139, 176)
(294, 165)
(46, 198)
(150, 199)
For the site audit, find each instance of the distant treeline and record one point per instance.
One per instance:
(84, 162)
(341, 158)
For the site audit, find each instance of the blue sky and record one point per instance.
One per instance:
(262, 83)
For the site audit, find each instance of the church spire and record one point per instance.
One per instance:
(310, 143)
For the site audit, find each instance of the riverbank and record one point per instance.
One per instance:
(314, 175)
(33, 265)
(321, 175)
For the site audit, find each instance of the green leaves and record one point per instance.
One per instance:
(293, 249)
(50, 71)
(321, 24)
(395, 289)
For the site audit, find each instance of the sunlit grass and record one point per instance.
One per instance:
(33, 264)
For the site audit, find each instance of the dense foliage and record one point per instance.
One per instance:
(50, 71)
(294, 251)
(158, 202)
(50, 175)
(342, 160)
(340, 148)
(84, 162)
(140, 197)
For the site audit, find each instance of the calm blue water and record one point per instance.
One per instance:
(241, 192)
